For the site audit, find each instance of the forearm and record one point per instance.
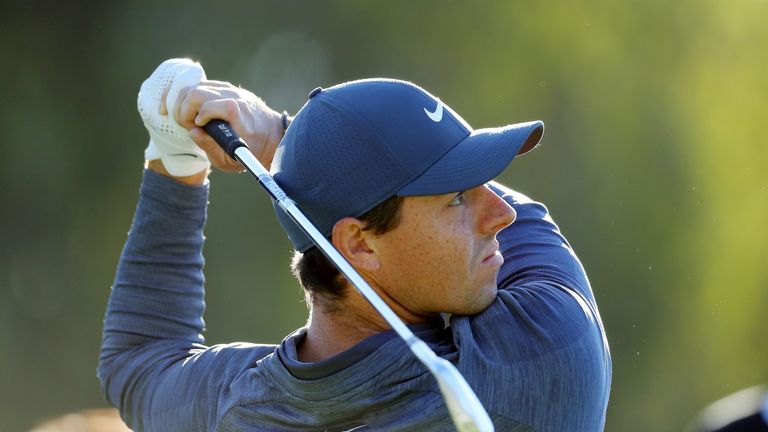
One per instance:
(158, 290)
(152, 364)
(535, 250)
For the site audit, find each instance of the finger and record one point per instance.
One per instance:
(211, 148)
(215, 153)
(224, 91)
(163, 111)
(189, 102)
(221, 109)
(217, 84)
(199, 136)
(228, 90)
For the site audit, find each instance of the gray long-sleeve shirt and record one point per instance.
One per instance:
(537, 357)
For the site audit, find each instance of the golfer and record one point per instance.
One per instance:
(403, 187)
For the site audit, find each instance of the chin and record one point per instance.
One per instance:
(479, 302)
(484, 305)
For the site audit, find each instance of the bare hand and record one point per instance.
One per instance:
(259, 126)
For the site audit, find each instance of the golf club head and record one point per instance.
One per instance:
(466, 410)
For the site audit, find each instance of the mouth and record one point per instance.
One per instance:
(494, 255)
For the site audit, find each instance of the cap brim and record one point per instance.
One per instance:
(477, 159)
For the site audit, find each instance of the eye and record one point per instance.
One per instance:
(458, 199)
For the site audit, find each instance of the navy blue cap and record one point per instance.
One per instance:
(354, 145)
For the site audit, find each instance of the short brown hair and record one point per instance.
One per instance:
(317, 274)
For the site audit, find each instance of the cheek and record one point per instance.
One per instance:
(408, 256)
(429, 259)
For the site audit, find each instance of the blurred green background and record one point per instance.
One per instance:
(653, 164)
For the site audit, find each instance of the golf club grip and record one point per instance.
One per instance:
(224, 135)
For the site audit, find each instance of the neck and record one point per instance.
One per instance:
(331, 331)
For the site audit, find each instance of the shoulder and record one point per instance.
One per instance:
(528, 321)
(240, 354)
(544, 347)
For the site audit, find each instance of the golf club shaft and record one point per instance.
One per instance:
(235, 147)
(472, 416)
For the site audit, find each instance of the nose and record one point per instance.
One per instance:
(497, 214)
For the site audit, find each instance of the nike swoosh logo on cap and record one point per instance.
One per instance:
(437, 115)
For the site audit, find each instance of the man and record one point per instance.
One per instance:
(402, 186)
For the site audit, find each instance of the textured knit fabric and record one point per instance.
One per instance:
(537, 357)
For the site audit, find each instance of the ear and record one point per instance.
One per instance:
(353, 243)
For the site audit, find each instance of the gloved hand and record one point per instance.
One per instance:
(168, 141)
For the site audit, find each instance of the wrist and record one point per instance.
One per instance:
(280, 123)
(286, 120)
(196, 179)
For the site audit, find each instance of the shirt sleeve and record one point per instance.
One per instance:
(153, 365)
(542, 279)
(542, 337)
(534, 249)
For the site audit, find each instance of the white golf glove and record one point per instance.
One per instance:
(167, 140)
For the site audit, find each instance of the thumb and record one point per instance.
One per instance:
(204, 141)
(215, 153)
(199, 136)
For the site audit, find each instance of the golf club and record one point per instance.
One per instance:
(466, 410)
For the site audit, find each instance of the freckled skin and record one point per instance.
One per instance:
(434, 260)
(442, 257)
